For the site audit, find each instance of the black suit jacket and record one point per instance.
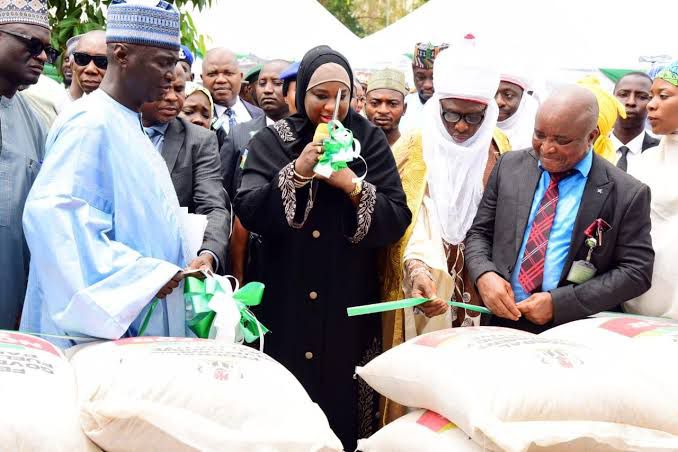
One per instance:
(254, 111)
(624, 261)
(231, 152)
(192, 158)
(649, 142)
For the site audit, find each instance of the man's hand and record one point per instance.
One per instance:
(170, 286)
(498, 296)
(424, 287)
(203, 262)
(538, 308)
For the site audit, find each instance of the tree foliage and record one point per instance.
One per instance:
(70, 18)
(364, 17)
(344, 10)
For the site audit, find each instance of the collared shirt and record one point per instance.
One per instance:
(156, 133)
(570, 191)
(239, 110)
(635, 148)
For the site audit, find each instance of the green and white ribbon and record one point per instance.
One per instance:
(407, 303)
(215, 311)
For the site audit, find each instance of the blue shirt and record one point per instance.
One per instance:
(156, 133)
(570, 191)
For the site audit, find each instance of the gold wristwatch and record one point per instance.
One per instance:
(357, 190)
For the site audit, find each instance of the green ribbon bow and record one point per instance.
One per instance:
(198, 295)
(338, 149)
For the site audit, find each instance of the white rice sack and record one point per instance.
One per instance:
(651, 344)
(512, 390)
(181, 394)
(419, 431)
(39, 402)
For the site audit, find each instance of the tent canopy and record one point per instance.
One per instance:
(273, 29)
(573, 34)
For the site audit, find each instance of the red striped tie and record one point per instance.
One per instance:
(531, 273)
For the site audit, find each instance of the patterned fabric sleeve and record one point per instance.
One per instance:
(289, 196)
(364, 212)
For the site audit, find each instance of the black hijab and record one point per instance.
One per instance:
(279, 144)
(313, 59)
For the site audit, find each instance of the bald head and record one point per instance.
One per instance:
(94, 40)
(565, 128)
(572, 103)
(221, 75)
(220, 55)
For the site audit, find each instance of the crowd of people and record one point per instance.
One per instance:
(471, 188)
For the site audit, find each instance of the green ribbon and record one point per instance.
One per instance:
(199, 294)
(247, 296)
(338, 148)
(407, 303)
(144, 324)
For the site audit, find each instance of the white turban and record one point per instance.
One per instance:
(465, 72)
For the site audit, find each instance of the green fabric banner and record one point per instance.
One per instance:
(615, 74)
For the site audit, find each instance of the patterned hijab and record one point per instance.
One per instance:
(669, 73)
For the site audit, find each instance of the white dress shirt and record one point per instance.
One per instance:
(635, 148)
(240, 111)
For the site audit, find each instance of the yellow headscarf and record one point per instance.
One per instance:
(609, 109)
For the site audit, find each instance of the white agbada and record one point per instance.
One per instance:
(658, 167)
(519, 127)
(103, 228)
(454, 174)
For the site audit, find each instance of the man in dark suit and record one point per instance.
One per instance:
(527, 250)
(629, 137)
(268, 91)
(222, 76)
(269, 94)
(192, 157)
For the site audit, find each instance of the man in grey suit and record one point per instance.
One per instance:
(560, 233)
(192, 157)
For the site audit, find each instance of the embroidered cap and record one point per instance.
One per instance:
(137, 23)
(32, 12)
(392, 79)
(426, 53)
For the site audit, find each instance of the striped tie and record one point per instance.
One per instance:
(531, 274)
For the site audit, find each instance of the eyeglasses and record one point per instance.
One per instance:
(469, 118)
(83, 59)
(35, 46)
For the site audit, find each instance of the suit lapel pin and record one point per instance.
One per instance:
(600, 191)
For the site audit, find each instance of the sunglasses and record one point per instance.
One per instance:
(83, 59)
(469, 118)
(35, 46)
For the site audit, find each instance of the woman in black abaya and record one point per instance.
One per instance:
(321, 237)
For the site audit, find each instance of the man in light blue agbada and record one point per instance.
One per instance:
(102, 218)
(24, 49)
